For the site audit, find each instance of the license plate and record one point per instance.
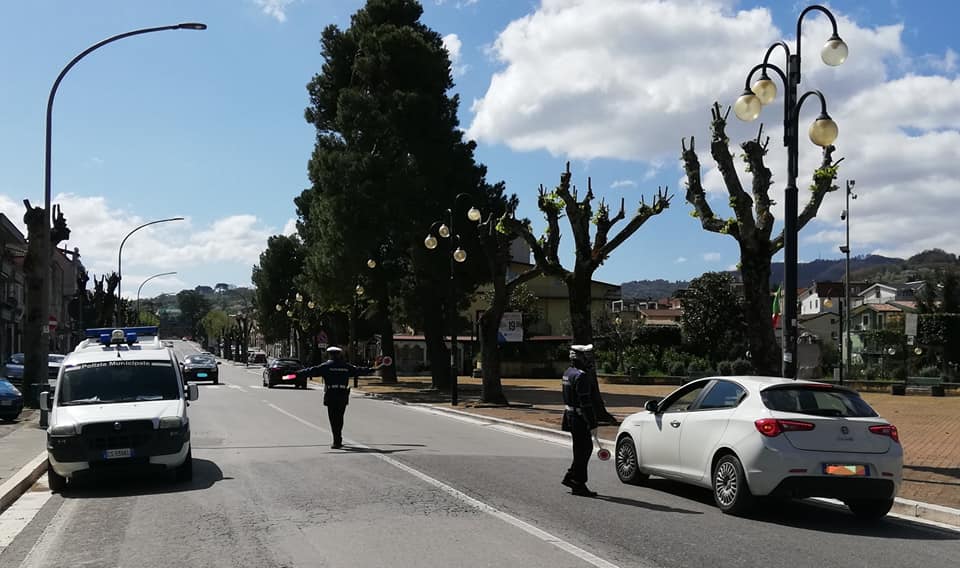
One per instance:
(6, 403)
(845, 470)
(202, 375)
(118, 453)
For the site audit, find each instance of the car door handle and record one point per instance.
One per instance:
(675, 423)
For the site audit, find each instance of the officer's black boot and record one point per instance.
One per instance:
(583, 491)
(569, 481)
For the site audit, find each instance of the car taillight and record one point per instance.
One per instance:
(886, 430)
(771, 427)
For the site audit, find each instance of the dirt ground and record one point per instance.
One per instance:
(929, 427)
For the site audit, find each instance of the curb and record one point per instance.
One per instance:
(903, 507)
(13, 488)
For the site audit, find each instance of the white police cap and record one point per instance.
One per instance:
(582, 348)
(334, 349)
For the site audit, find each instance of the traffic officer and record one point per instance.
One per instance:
(579, 417)
(336, 373)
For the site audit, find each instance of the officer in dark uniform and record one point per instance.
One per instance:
(579, 417)
(336, 373)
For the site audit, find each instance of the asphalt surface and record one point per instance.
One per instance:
(414, 488)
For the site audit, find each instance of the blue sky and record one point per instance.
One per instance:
(209, 125)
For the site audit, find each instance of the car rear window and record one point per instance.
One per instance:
(819, 401)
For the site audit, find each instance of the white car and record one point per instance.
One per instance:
(744, 437)
(120, 404)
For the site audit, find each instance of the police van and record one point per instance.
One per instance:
(120, 404)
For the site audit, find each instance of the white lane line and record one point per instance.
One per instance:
(23, 510)
(526, 527)
(238, 387)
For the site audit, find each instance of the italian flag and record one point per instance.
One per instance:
(776, 307)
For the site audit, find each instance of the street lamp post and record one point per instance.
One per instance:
(141, 288)
(120, 258)
(457, 255)
(822, 133)
(845, 249)
(36, 366)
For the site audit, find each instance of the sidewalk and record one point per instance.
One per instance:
(929, 427)
(21, 444)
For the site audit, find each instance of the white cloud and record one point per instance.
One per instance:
(680, 260)
(276, 9)
(97, 229)
(290, 227)
(627, 79)
(453, 45)
(623, 183)
(711, 256)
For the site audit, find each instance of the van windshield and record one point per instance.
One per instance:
(118, 381)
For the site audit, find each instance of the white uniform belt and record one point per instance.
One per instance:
(572, 408)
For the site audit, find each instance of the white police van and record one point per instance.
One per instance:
(120, 404)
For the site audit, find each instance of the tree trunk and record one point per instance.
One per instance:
(387, 374)
(434, 333)
(580, 292)
(36, 338)
(492, 391)
(764, 352)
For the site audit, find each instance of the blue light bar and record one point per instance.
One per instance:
(98, 332)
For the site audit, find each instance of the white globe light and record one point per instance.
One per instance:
(299, 297)
(359, 290)
(371, 263)
(430, 242)
(289, 314)
(459, 255)
(824, 131)
(834, 52)
(311, 305)
(747, 107)
(766, 90)
(473, 214)
(279, 307)
(444, 231)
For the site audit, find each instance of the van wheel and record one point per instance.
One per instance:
(56, 481)
(184, 471)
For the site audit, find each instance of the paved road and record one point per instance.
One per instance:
(417, 489)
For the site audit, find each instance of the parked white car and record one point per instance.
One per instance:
(744, 437)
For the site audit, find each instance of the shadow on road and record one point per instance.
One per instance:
(357, 450)
(811, 515)
(644, 505)
(945, 471)
(115, 484)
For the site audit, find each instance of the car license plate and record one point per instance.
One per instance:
(118, 453)
(846, 470)
(6, 403)
(202, 375)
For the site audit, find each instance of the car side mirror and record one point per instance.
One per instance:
(193, 392)
(45, 401)
(652, 406)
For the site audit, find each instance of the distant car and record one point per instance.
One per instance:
(11, 401)
(257, 358)
(745, 437)
(13, 370)
(283, 372)
(201, 368)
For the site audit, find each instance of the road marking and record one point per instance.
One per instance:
(238, 387)
(526, 527)
(23, 510)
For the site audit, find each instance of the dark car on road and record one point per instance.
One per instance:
(257, 358)
(11, 401)
(13, 369)
(201, 368)
(282, 371)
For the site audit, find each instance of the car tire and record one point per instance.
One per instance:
(216, 380)
(730, 490)
(270, 384)
(869, 509)
(184, 472)
(57, 482)
(628, 462)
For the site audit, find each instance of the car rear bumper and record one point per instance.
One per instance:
(12, 411)
(191, 374)
(775, 467)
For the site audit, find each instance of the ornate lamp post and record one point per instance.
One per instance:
(457, 255)
(822, 132)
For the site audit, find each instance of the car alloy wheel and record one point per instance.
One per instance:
(628, 466)
(730, 490)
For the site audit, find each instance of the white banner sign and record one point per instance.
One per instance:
(511, 328)
(911, 325)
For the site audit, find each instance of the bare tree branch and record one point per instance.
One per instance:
(740, 200)
(696, 195)
(660, 203)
